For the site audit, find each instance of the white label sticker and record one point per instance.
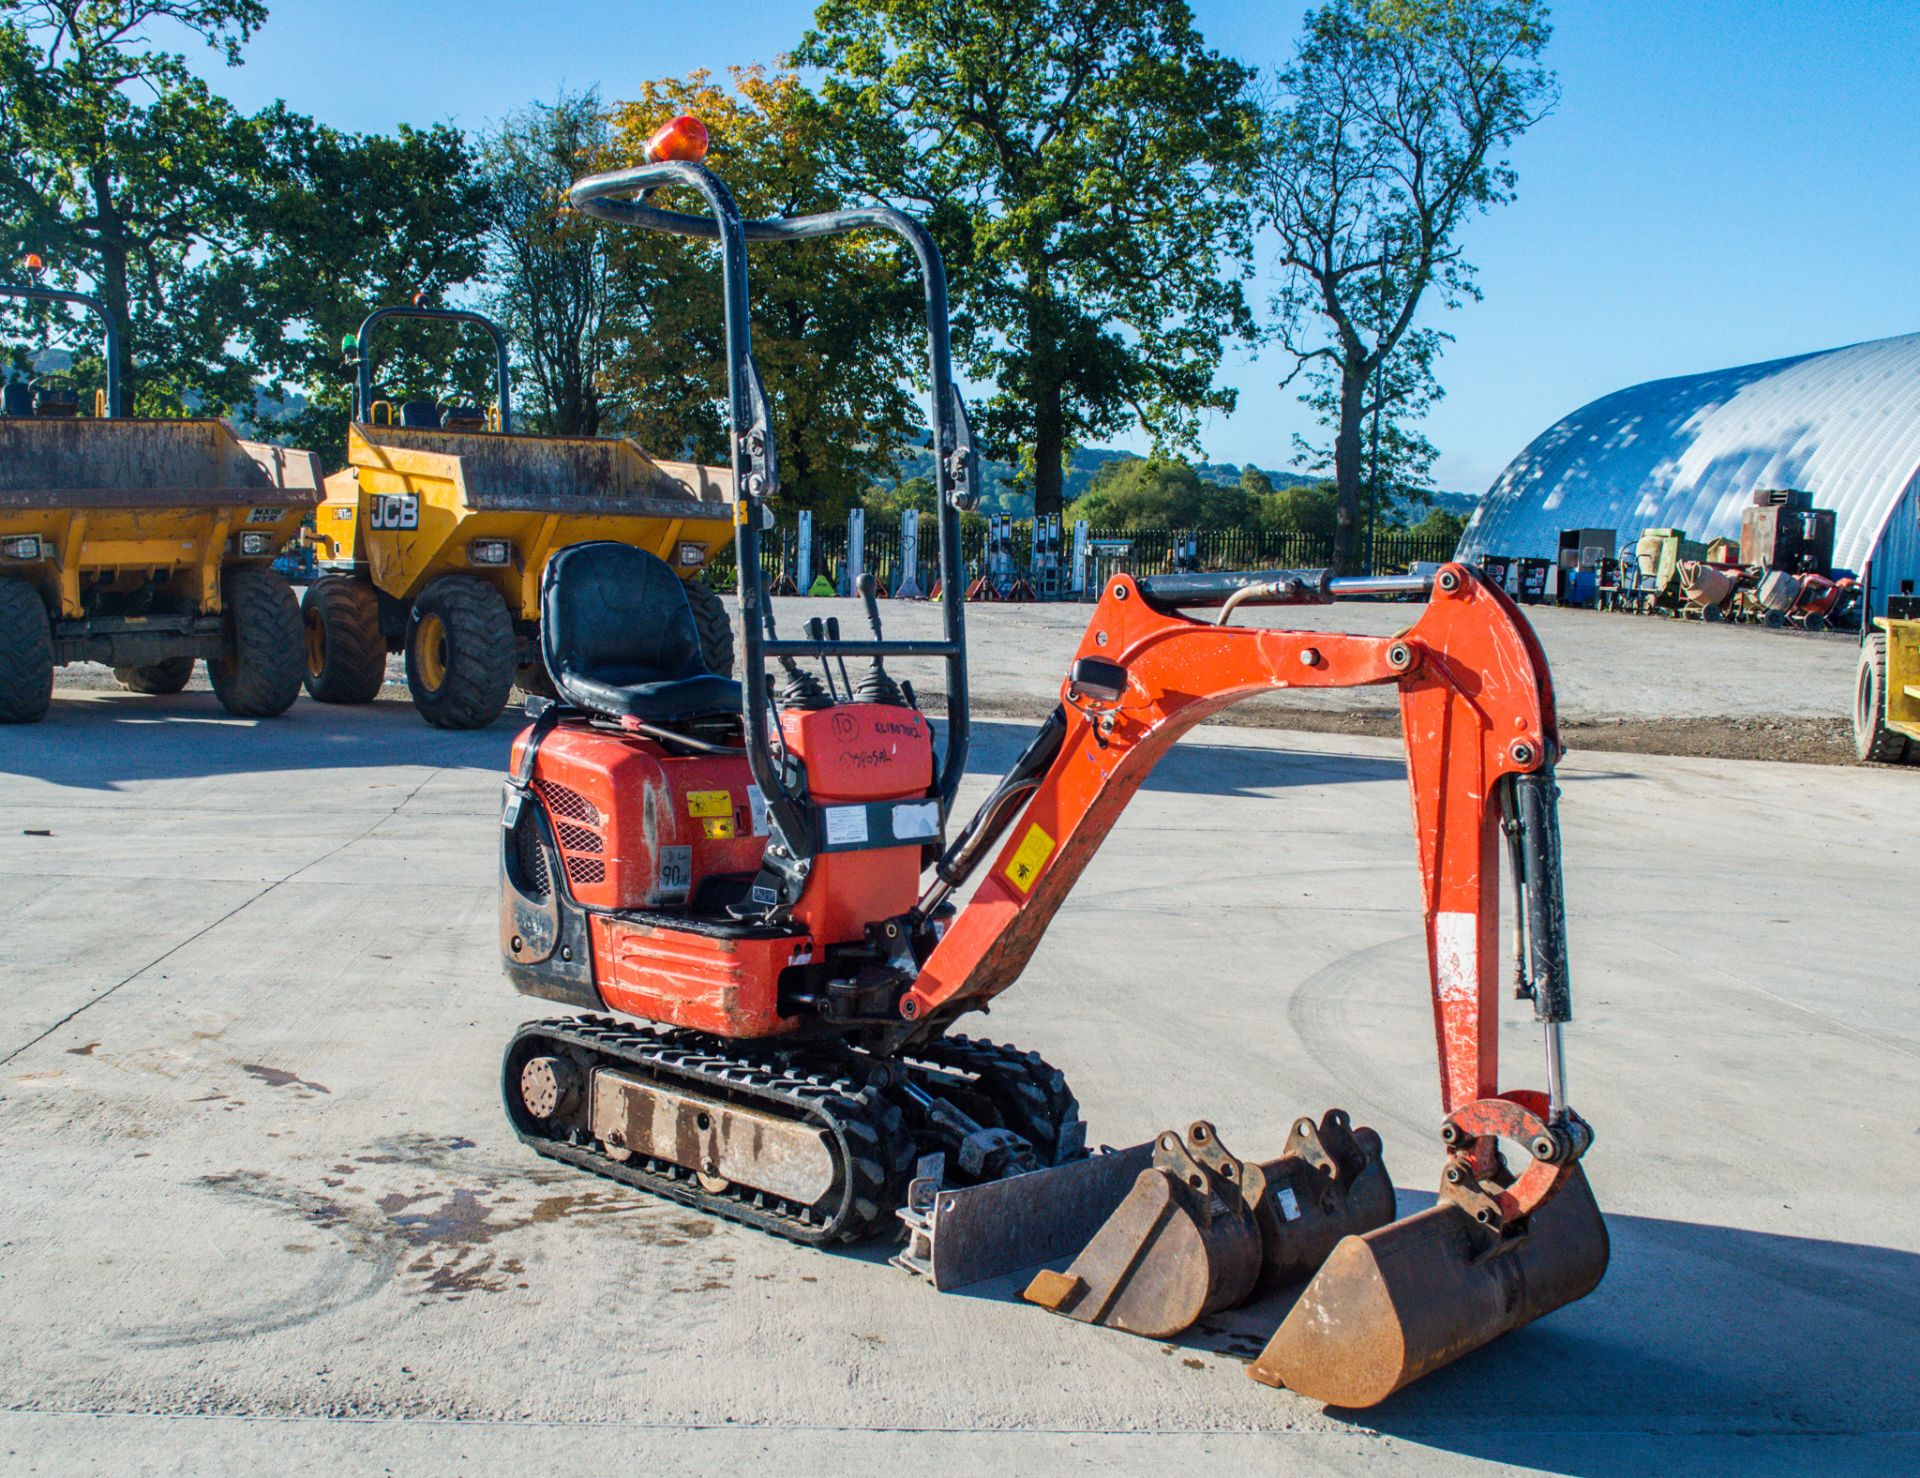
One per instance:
(916, 820)
(1289, 1203)
(846, 825)
(757, 803)
(1456, 956)
(676, 874)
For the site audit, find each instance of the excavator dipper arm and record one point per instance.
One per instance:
(1477, 708)
(1391, 1300)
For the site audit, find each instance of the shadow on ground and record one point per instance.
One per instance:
(106, 740)
(1696, 1329)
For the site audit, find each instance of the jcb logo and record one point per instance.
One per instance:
(395, 511)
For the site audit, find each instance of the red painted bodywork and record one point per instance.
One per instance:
(1476, 704)
(615, 800)
(729, 987)
(854, 753)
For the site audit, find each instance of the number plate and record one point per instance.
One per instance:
(675, 879)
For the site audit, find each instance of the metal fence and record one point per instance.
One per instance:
(1109, 552)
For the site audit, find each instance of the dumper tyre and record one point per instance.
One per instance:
(716, 627)
(266, 659)
(1872, 738)
(26, 654)
(346, 653)
(460, 653)
(156, 678)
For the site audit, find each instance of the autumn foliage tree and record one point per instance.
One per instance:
(836, 322)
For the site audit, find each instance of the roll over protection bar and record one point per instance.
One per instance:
(503, 388)
(619, 196)
(99, 309)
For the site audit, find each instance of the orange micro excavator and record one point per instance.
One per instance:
(762, 872)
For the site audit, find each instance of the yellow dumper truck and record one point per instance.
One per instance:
(147, 545)
(434, 536)
(1886, 703)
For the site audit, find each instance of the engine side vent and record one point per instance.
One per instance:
(584, 871)
(565, 801)
(579, 838)
(531, 856)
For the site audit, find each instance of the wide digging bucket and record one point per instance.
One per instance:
(1400, 1302)
(1201, 1229)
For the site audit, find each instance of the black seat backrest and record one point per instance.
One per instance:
(18, 399)
(422, 415)
(617, 614)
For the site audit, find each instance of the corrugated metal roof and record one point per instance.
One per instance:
(1688, 453)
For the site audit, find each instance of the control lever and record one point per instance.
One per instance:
(817, 629)
(833, 634)
(875, 685)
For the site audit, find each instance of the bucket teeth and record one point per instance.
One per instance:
(1402, 1301)
(1202, 1229)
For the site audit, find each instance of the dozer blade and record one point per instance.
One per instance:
(1200, 1229)
(1400, 1302)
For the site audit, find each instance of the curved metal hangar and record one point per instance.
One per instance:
(1689, 453)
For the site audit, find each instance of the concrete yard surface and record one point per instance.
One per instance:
(263, 1209)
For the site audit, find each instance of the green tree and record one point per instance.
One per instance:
(553, 283)
(353, 222)
(1078, 161)
(1440, 524)
(133, 179)
(1382, 138)
(836, 322)
(1156, 493)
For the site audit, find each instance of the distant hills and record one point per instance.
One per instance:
(998, 495)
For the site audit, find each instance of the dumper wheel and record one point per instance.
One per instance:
(1872, 739)
(716, 627)
(157, 678)
(266, 658)
(346, 654)
(460, 653)
(26, 654)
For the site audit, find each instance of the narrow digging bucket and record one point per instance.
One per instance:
(1400, 1302)
(1201, 1230)
(1182, 1245)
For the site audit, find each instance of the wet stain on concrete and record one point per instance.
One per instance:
(86, 1051)
(277, 1077)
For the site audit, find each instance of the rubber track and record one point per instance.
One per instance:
(867, 1135)
(1049, 1114)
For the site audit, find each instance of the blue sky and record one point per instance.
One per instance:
(1724, 181)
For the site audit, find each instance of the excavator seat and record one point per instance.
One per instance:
(618, 637)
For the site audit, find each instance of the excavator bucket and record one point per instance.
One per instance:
(1403, 1300)
(1201, 1229)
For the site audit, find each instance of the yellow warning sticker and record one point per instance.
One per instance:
(710, 803)
(717, 828)
(1029, 857)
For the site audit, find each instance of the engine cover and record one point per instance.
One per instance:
(638, 828)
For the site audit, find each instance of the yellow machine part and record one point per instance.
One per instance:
(413, 504)
(124, 502)
(1903, 676)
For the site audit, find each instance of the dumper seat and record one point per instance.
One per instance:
(618, 637)
(16, 399)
